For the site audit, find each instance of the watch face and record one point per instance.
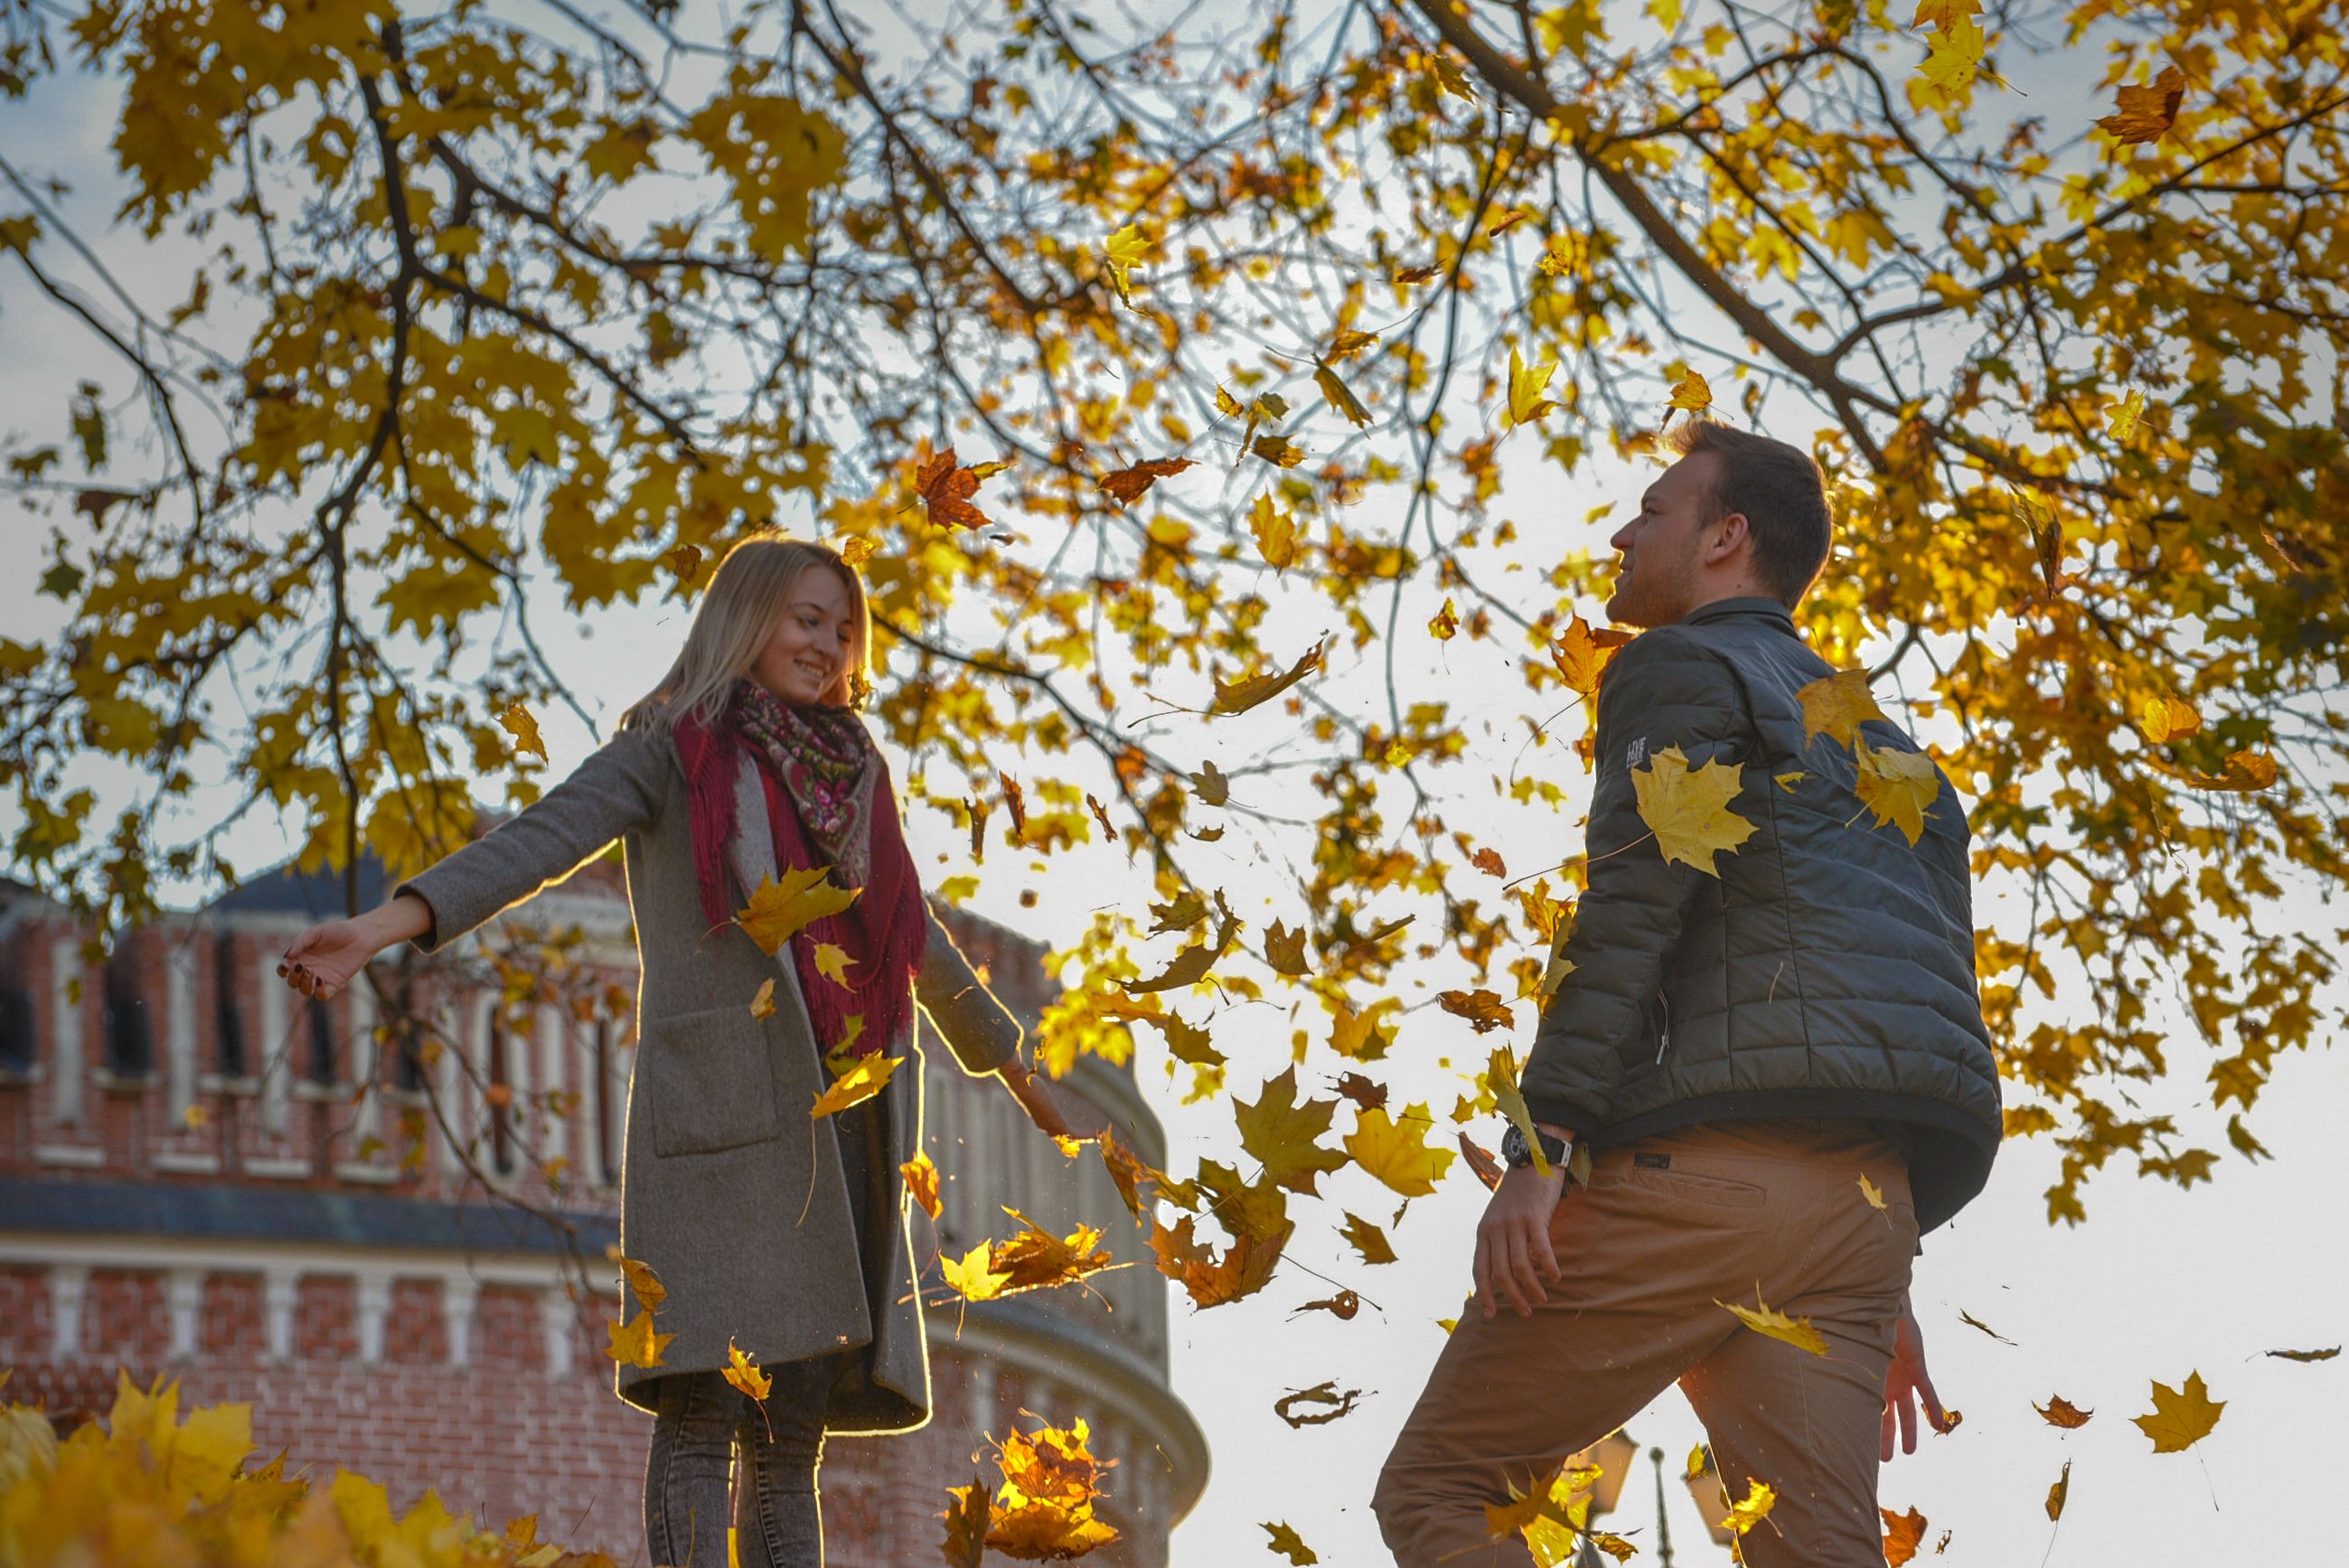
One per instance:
(1513, 1147)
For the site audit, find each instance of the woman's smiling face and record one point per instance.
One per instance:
(805, 659)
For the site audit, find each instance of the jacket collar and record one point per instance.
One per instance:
(1766, 609)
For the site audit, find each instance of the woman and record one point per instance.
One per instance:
(780, 1233)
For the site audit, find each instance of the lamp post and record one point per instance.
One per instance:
(1663, 1529)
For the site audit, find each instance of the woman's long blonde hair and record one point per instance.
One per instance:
(746, 593)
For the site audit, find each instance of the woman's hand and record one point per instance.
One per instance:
(323, 959)
(1053, 1113)
(1903, 1381)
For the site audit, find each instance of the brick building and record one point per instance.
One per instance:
(389, 1236)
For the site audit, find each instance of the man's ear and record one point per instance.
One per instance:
(1729, 534)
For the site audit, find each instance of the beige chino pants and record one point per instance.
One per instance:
(1666, 1227)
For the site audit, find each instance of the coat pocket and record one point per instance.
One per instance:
(712, 1081)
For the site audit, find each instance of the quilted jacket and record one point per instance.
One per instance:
(1827, 970)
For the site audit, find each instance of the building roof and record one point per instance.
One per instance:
(287, 889)
(221, 1211)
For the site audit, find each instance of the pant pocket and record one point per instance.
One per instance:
(1669, 1187)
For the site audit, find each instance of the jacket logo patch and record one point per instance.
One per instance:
(1652, 1162)
(1635, 753)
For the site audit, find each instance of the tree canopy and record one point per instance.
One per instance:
(1118, 352)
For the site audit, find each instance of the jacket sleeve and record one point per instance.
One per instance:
(1664, 690)
(978, 1027)
(617, 790)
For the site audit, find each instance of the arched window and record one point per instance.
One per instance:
(228, 1019)
(130, 1023)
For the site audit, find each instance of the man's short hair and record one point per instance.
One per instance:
(1780, 490)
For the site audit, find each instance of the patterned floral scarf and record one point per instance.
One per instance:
(829, 802)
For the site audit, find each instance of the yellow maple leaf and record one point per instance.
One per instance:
(1501, 1082)
(1692, 392)
(922, 1181)
(1763, 1318)
(517, 722)
(1955, 57)
(1688, 809)
(633, 1343)
(742, 1372)
(1356, 1036)
(1527, 403)
(1944, 14)
(1288, 1543)
(2181, 1418)
(1341, 396)
(1275, 532)
(1281, 1133)
(1127, 249)
(1838, 704)
(642, 1284)
(974, 1275)
(1239, 697)
(1903, 1533)
(2166, 718)
(1396, 1151)
(1760, 1497)
(762, 1005)
(866, 1078)
(779, 910)
(832, 962)
(1445, 624)
(1900, 786)
(2121, 418)
(1872, 1192)
(1581, 655)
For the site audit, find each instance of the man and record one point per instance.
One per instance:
(1780, 1070)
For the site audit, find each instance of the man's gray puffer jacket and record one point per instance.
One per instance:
(1828, 971)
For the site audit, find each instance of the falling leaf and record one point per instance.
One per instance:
(2325, 1355)
(1968, 1319)
(946, 489)
(1899, 786)
(1368, 1093)
(2121, 418)
(1955, 57)
(2056, 1494)
(1527, 403)
(1045, 1507)
(1187, 909)
(1341, 1306)
(2061, 1412)
(1837, 705)
(866, 1078)
(1699, 1462)
(1356, 1036)
(1239, 697)
(633, 1343)
(1484, 1010)
(921, 1176)
(1015, 800)
(1763, 1318)
(1689, 810)
(1506, 221)
(517, 722)
(1872, 1192)
(832, 962)
(2147, 112)
(1127, 485)
(779, 910)
(1903, 1533)
(1341, 396)
(2167, 718)
(1284, 950)
(1190, 966)
(1367, 1239)
(1489, 862)
(1692, 392)
(1126, 250)
(1275, 532)
(974, 1275)
(1210, 1281)
(855, 551)
(1582, 656)
(195, 1118)
(684, 563)
(1396, 1150)
(1447, 624)
(1760, 1497)
(966, 1518)
(1281, 1134)
(1126, 1170)
(1326, 1395)
(742, 1374)
(1285, 1542)
(2181, 1418)
(762, 1005)
(1501, 1081)
(1278, 450)
(1101, 815)
(1411, 276)
(642, 1284)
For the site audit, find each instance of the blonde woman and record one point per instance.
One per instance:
(747, 760)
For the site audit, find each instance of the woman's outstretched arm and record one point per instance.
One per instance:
(985, 1037)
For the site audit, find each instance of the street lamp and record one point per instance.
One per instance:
(1613, 1454)
(1711, 1497)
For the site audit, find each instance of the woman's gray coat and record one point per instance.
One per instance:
(720, 1150)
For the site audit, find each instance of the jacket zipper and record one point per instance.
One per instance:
(1664, 1035)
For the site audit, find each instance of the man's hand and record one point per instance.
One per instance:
(1903, 1380)
(1513, 1256)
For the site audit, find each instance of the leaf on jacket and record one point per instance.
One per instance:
(1688, 809)
(2181, 1418)
(2061, 1412)
(1396, 1150)
(1315, 1406)
(1239, 697)
(1838, 704)
(1763, 1318)
(921, 1174)
(1900, 786)
(867, 1077)
(1281, 1133)
(1369, 1241)
(762, 1005)
(1127, 485)
(1903, 1533)
(743, 1373)
(633, 1343)
(779, 910)
(1287, 1542)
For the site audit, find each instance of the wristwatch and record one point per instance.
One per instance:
(1515, 1151)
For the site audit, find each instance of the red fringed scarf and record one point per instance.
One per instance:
(829, 802)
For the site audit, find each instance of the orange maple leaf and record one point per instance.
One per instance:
(946, 489)
(1127, 485)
